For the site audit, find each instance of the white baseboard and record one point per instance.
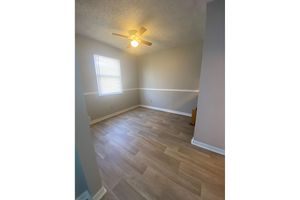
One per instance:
(100, 193)
(133, 107)
(84, 196)
(112, 115)
(208, 147)
(167, 110)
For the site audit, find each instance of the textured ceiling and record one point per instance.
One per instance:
(170, 23)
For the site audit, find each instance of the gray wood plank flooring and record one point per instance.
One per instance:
(146, 154)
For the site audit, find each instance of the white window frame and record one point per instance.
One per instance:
(99, 76)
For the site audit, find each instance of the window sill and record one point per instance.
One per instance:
(110, 94)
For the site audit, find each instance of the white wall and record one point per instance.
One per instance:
(175, 68)
(99, 106)
(210, 123)
(83, 141)
(80, 181)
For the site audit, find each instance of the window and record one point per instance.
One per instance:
(108, 74)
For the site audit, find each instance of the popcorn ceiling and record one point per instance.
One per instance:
(170, 23)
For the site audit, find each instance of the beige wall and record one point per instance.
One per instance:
(105, 105)
(175, 68)
(210, 124)
(182, 102)
(83, 141)
(99, 106)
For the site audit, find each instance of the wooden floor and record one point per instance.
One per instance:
(146, 154)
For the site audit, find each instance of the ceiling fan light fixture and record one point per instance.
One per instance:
(134, 37)
(134, 43)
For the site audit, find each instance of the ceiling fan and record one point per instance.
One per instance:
(135, 37)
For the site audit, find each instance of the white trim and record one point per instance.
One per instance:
(100, 193)
(167, 110)
(208, 147)
(112, 115)
(148, 89)
(130, 89)
(123, 90)
(169, 90)
(90, 93)
(84, 196)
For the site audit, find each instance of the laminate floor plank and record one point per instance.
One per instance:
(196, 163)
(109, 196)
(170, 173)
(146, 154)
(125, 192)
(166, 188)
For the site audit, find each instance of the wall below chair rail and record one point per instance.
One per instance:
(172, 100)
(100, 106)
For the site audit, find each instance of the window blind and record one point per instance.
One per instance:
(108, 74)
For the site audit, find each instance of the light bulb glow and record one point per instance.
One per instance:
(134, 43)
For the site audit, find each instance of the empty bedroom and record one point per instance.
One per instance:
(150, 99)
(131, 100)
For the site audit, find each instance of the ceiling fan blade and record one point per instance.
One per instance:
(120, 35)
(132, 32)
(146, 42)
(142, 30)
